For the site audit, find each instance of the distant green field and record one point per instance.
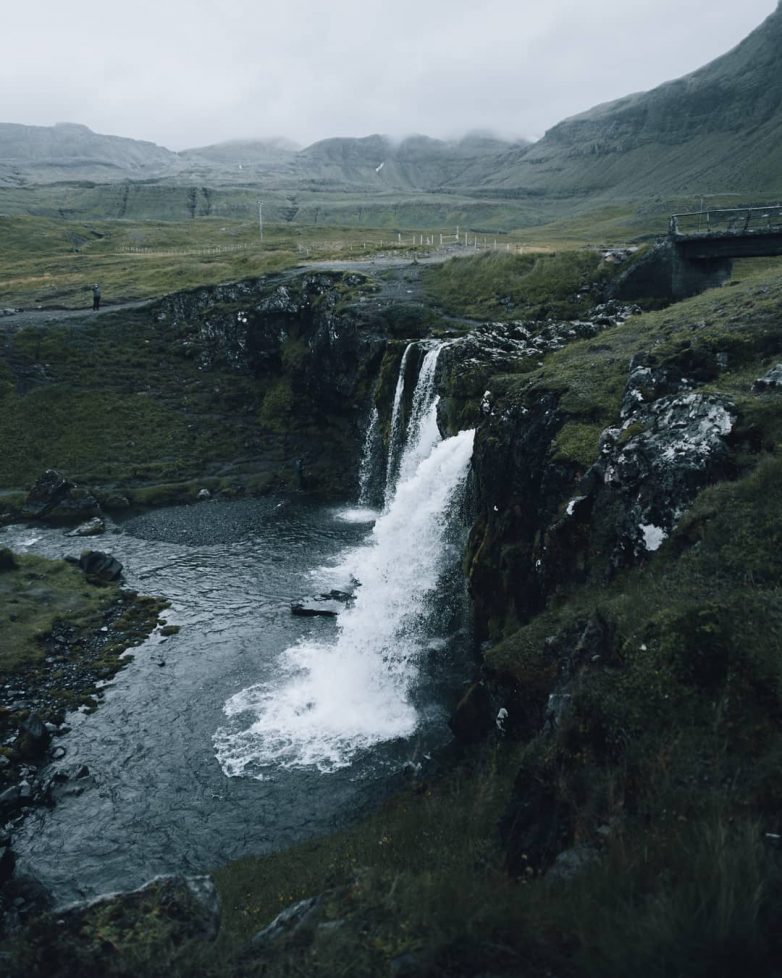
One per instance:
(52, 262)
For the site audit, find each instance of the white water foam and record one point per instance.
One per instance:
(342, 697)
(356, 514)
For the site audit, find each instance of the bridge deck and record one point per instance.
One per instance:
(727, 222)
(741, 232)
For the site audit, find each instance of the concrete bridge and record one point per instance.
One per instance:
(705, 242)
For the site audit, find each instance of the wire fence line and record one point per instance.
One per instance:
(433, 242)
(206, 250)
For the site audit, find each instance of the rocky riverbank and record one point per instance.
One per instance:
(63, 635)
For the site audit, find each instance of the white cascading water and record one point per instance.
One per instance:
(422, 431)
(395, 432)
(367, 459)
(340, 697)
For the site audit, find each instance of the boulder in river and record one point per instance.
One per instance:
(315, 608)
(327, 605)
(100, 566)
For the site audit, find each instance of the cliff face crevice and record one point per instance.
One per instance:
(625, 492)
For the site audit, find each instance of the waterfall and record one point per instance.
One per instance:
(366, 470)
(395, 433)
(338, 698)
(422, 432)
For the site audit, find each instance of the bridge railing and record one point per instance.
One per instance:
(734, 221)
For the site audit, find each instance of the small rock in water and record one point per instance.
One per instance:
(91, 528)
(7, 862)
(315, 609)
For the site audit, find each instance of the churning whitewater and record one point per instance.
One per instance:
(339, 698)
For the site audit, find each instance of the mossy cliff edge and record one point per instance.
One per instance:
(626, 817)
(224, 388)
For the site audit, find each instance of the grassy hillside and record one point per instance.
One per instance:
(715, 131)
(502, 287)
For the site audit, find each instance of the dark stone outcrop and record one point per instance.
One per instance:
(21, 899)
(769, 381)
(542, 523)
(7, 559)
(56, 499)
(313, 349)
(474, 715)
(172, 909)
(34, 738)
(536, 827)
(7, 862)
(291, 924)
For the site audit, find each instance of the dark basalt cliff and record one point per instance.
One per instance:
(236, 388)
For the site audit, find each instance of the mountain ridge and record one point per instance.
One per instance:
(714, 132)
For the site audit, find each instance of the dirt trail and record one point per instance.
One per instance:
(77, 317)
(368, 266)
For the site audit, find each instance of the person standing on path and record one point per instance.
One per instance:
(95, 297)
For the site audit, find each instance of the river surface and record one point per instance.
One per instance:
(191, 756)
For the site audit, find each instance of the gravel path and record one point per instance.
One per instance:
(78, 317)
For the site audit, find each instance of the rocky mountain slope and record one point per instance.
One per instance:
(40, 155)
(68, 151)
(716, 131)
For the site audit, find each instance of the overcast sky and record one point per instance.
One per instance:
(187, 73)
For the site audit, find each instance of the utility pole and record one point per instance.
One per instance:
(260, 218)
